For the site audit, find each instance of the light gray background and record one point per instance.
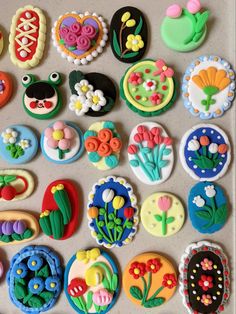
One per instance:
(177, 120)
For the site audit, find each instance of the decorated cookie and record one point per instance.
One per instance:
(128, 34)
(35, 279)
(78, 37)
(103, 145)
(148, 87)
(91, 282)
(1, 42)
(207, 205)
(27, 37)
(204, 278)
(149, 280)
(15, 184)
(17, 227)
(62, 142)
(112, 212)
(60, 210)
(18, 144)
(93, 94)
(205, 152)
(184, 29)
(162, 214)
(42, 99)
(208, 87)
(150, 153)
(6, 88)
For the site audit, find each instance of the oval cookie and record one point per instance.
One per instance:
(91, 282)
(128, 34)
(204, 278)
(6, 87)
(162, 214)
(205, 152)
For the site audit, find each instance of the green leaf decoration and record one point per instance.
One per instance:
(101, 223)
(21, 280)
(94, 157)
(35, 302)
(111, 216)
(106, 283)
(110, 225)
(89, 300)
(129, 224)
(136, 292)
(130, 55)
(118, 221)
(167, 152)
(145, 150)
(99, 236)
(216, 162)
(154, 302)
(111, 161)
(158, 217)
(134, 163)
(204, 163)
(170, 220)
(16, 237)
(8, 179)
(44, 272)
(116, 44)
(89, 132)
(221, 214)
(119, 229)
(197, 36)
(163, 163)
(27, 234)
(139, 26)
(6, 238)
(114, 282)
(20, 291)
(203, 214)
(202, 21)
(78, 302)
(150, 165)
(46, 295)
(61, 41)
(72, 48)
(102, 211)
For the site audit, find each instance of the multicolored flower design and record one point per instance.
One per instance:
(206, 282)
(10, 138)
(164, 203)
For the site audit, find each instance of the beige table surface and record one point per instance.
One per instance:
(177, 120)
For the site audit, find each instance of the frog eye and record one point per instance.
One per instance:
(27, 80)
(55, 78)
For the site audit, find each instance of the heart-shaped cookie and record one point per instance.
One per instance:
(80, 37)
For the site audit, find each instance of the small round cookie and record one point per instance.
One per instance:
(6, 88)
(112, 212)
(162, 214)
(18, 144)
(91, 282)
(204, 278)
(148, 87)
(208, 87)
(62, 142)
(149, 280)
(205, 152)
(150, 153)
(207, 206)
(103, 145)
(184, 29)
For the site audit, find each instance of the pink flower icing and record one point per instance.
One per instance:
(102, 297)
(89, 31)
(194, 6)
(64, 31)
(83, 43)
(174, 11)
(67, 135)
(76, 28)
(70, 39)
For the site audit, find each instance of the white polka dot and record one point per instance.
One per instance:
(218, 272)
(197, 265)
(26, 27)
(195, 137)
(223, 155)
(190, 158)
(28, 15)
(194, 292)
(214, 298)
(23, 54)
(220, 286)
(219, 137)
(214, 169)
(204, 131)
(221, 163)
(203, 171)
(212, 132)
(24, 40)
(192, 277)
(195, 166)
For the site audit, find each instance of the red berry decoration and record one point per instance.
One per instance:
(8, 192)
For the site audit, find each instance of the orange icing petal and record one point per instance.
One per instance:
(204, 77)
(219, 77)
(91, 144)
(105, 135)
(104, 150)
(211, 72)
(224, 83)
(116, 144)
(198, 81)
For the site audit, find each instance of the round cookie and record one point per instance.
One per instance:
(112, 212)
(62, 142)
(149, 280)
(205, 152)
(184, 29)
(18, 144)
(208, 87)
(162, 214)
(91, 282)
(6, 88)
(1, 42)
(103, 145)
(204, 278)
(150, 153)
(148, 87)
(93, 94)
(128, 34)
(207, 206)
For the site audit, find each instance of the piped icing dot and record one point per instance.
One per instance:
(28, 15)
(23, 54)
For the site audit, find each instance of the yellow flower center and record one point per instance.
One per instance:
(136, 271)
(33, 263)
(36, 286)
(152, 267)
(206, 265)
(19, 271)
(96, 100)
(78, 105)
(169, 282)
(84, 88)
(58, 135)
(206, 301)
(52, 285)
(7, 136)
(164, 68)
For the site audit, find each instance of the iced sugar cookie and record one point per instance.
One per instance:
(6, 87)
(162, 214)
(112, 212)
(208, 87)
(60, 210)
(150, 153)
(128, 34)
(184, 29)
(103, 145)
(62, 142)
(27, 37)
(35, 279)
(18, 144)
(204, 278)
(207, 205)
(91, 282)
(205, 152)
(42, 99)
(79, 37)
(1, 42)
(148, 87)
(93, 94)
(149, 280)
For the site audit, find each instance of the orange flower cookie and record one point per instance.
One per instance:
(149, 280)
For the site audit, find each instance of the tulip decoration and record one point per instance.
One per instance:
(14, 231)
(164, 204)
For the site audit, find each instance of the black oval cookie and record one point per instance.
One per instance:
(93, 94)
(204, 278)
(128, 34)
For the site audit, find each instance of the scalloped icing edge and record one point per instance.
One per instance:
(31, 221)
(189, 248)
(25, 174)
(94, 53)
(189, 104)
(41, 39)
(183, 159)
(133, 200)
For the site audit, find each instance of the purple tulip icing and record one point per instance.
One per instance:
(19, 226)
(7, 227)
